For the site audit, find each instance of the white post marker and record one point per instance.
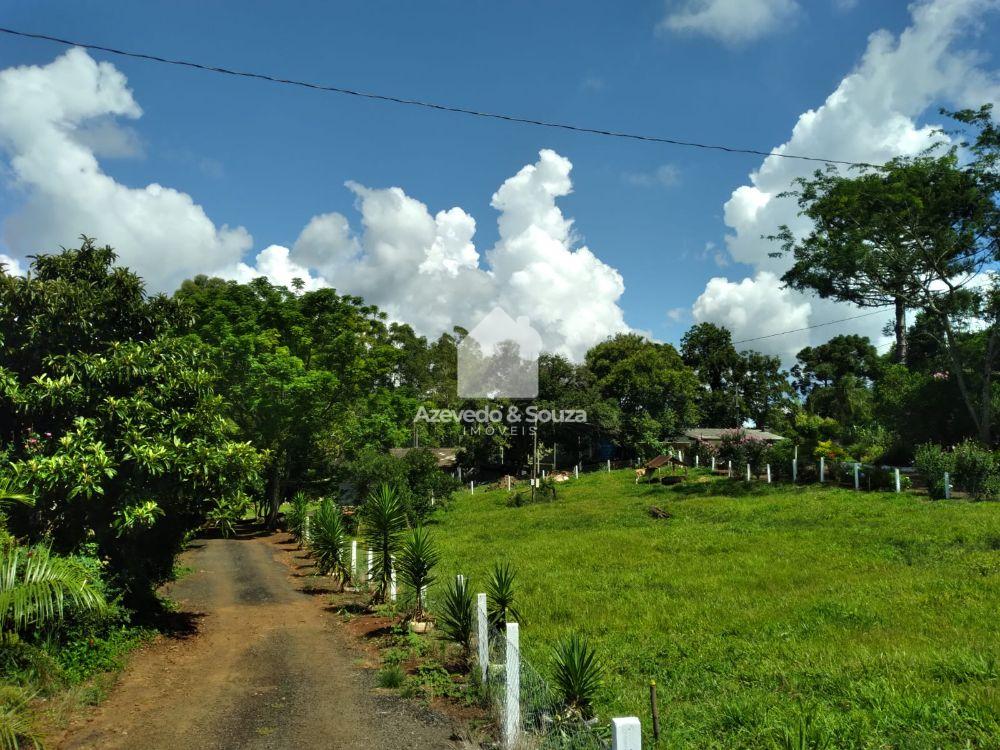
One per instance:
(897, 481)
(769, 473)
(713, 463)
(681, 459)
(482, 637)
(512, 697)
(729, 468)
(472, 488)
(857, 481)
(543, 473)
(696, 460)
(576, 471)
(508, 483)
(306, 535)
(822, 469)
(795, 469)
(354, 557)
(947, 487)
(748, 472)
(626, 734)
(609, 465)
(392, 580)
(371, 563)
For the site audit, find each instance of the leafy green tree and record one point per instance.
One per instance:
(111, 418)
(708, 350)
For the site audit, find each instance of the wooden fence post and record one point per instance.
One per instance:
(626, 734)
(483, 635)
(512, 697)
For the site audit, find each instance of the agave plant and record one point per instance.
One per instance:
(577, 674)
(36, 585)
(384, 524)
(417, 559)
(500, 595)
(328, 542)
(455, 616)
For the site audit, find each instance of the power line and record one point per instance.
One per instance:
(809, 328)
(426, 104)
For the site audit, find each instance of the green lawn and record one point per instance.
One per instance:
(874, 614)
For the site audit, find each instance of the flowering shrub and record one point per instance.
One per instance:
(742, 449)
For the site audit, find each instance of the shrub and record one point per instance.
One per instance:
(17, 727)
(577, 674)
(384, 519)
(500, 595)
(295, 517)
(455, 617)
(974, 465)
(226, 512)
(931, 462)
(417, 559)
(329, 542)
(741, 449)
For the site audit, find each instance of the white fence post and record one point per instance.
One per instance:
(696, 460)
(354, 557)
(626, 734)
(713, 464)
(897, 481)
(508, 483)
(769, 473)
(857, 481)
(483, 634)
(729, 468)
(512, 697)
(371, 562)
(576, 471)
(392, 580)
(947, 487)
(748, 472)
(681, 459)
(822, 469)
(459, 473)
(795, 470)
(306, 532)
(609, 465)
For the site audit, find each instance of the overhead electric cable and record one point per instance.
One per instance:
(426, 104)
(816, 325)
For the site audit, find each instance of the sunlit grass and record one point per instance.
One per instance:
(874, 614)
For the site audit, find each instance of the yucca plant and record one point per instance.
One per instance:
(384, 524)
(11, 493)
(35, 587)
(577, 674)
(417, 559)
(329, 542)
(295, 516)
(17, 728)
(500, 595)
(455, 615)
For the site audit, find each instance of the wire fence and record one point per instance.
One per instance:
(537, 720)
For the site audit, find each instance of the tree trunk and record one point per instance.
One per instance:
(275, 492)
(900, 328)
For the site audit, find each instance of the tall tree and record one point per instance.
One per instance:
(708, 350)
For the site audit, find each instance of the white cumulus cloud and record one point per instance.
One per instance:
(872, 116)
(54, 123)
(730, 21)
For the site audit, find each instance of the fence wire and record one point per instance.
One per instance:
(543, 724)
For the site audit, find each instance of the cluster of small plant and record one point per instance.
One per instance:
(971, 468)
(544, 492)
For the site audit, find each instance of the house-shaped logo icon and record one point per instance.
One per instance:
(499, 358)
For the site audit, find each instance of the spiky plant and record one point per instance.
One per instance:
(500, 595)
(35, 587)
(329, 542)
(417, 559)
(455, 615)
(295, 517)
(17, 728)
(11, 493)
(384, 518)
(577, 674)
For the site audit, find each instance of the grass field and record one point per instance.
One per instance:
(874, 615)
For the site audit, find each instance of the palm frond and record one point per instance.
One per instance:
(36, 586)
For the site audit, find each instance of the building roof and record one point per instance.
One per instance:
(446, 457)
(716, 433)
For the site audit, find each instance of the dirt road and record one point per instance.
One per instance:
(269, 667)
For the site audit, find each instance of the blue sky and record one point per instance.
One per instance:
(269, 158)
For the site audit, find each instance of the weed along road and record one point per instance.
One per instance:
(263, 665)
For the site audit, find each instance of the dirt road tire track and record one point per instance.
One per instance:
(269, 668)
